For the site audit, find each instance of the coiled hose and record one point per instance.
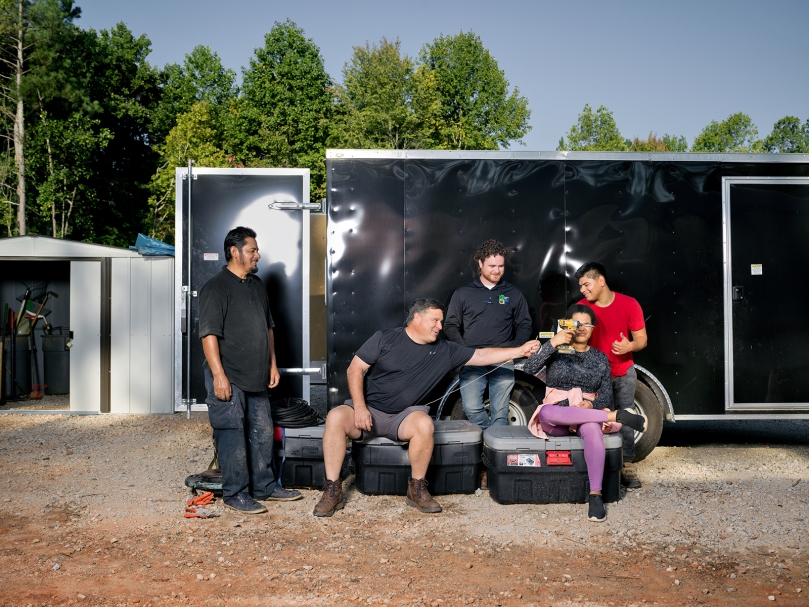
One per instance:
(294, 413)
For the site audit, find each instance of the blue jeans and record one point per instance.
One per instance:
(623, 393)
(473, 383)
(243, 432)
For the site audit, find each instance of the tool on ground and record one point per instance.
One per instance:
(198, 513)
(567, 324)
(41, 312)
(13, 349)
(201, 500)
(37, 392)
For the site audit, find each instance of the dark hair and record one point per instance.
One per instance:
(581, 309)
(420, 306)
(236, 238)
(591, 269)
(488, 249)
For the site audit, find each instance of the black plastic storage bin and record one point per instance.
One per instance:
(301, 461)
(382, 466)
(56, 362)
(524, 469)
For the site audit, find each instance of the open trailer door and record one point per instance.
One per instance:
(274, 203)
(766, 222)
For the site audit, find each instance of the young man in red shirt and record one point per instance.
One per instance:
(619, 318)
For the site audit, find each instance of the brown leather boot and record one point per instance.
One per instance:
(332, 499)
(419, 497)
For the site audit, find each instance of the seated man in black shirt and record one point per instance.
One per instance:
(399, 368)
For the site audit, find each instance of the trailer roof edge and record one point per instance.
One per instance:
(338, 154)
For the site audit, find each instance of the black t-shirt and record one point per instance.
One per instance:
(403, 372)
(238, 313)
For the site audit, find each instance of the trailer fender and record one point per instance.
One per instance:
(658, 390)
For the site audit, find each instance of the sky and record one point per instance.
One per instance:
(668, 67)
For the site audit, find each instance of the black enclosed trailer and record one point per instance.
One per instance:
(714, 247)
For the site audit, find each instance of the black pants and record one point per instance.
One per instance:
(623, 393)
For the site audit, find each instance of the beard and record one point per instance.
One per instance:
(251, 269)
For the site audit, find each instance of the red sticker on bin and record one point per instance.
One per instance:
(532, 460)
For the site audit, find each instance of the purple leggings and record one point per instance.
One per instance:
(555, 421)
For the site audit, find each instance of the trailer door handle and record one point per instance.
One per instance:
(738, 293)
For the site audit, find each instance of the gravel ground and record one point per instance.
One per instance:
(92, 513)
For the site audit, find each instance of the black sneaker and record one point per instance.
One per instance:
(597, 513)
(244, 503)
(279, 494)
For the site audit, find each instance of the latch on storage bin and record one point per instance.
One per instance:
(558, 458)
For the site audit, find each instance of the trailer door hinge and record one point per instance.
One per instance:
(294, 206)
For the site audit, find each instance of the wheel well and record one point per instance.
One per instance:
(654, 384)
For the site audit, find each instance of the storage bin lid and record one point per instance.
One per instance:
(457, 431)
(310, 432)
(519, 438)
(447, 432)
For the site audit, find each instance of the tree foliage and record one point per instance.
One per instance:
(385, 101)
(283, 115)
(788, 136)
(476, 110)
(201, 77)
(594, 132)
(196, 137)
(653, 143)
(736, 133)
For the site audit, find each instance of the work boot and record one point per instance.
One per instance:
(629, 478)
(419, 497)
(241, 502)
(332, 499)
(279, 494)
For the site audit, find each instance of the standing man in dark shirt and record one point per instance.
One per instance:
(488, 312)
(389, 379)
(235, 325)
(619, 317)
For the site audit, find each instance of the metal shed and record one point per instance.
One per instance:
(119, 308)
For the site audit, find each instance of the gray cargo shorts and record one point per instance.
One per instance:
(387, 424)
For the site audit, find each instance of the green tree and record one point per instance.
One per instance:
(201, 77)
(385, 102)
(283, 116)
(194, 137)
(788, 136)
(594, 132)
(69, 147)
(653, 143)
(476, 109)
(736, 133)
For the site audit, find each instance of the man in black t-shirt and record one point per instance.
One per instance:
(389, 378)
(236, 328)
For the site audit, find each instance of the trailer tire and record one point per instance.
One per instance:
(647, 405)
(521, 406)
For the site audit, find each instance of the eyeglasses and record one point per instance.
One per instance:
(586, 326)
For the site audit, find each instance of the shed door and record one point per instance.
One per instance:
(767, 290)
(223, 199)
(85, 325)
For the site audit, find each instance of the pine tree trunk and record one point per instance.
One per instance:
(19, 126)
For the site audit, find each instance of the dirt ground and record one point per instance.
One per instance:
(91, 513)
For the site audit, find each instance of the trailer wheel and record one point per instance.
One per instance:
(647, 405)
(521, 406)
